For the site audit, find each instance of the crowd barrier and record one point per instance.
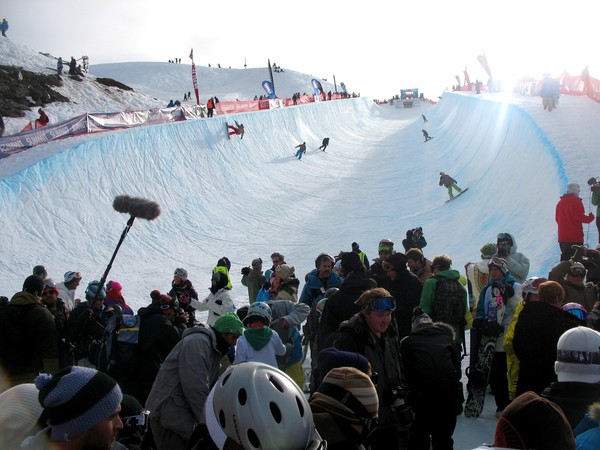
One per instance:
(98, 122)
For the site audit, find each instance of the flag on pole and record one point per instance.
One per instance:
(194, 78)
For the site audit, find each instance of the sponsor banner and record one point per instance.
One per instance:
(18, 142)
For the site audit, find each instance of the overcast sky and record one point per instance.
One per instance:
(414, 43)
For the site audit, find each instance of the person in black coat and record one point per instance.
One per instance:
(414, 239)
(341, 305)
(405, 287)
(160, 330)
(538, 329)
(432, 370)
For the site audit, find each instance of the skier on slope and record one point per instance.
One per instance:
(449, 183)
(238, 129)
(301, 150)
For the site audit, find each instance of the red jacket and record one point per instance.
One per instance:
(570, 214)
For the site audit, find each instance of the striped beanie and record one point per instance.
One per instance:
(77, 399)
(352, 381)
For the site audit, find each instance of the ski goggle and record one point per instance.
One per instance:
(382, 304)
(179, 273)
(577, 272)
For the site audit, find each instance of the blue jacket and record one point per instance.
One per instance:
(314, 289)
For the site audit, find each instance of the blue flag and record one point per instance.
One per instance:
(268, 87)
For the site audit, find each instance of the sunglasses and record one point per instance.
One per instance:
(577, 272)
(385, 252)
(382, 304)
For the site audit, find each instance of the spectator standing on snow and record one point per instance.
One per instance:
(210, 107)
(253, 278)
(43, 120)
(570, 215)
(4, 27)
(59, 65)
(518, 263)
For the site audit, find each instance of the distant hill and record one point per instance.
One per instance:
(34, 83)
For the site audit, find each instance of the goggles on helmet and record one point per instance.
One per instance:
(577, 272)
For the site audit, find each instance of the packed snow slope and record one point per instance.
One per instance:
(247, 198)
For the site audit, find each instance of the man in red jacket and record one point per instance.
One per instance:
(570, 215)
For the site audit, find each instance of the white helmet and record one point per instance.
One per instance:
(259, 309)
(259, 407)
(531, 285)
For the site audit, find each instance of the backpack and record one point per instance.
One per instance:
(449, 302)
(119, 346)
(15, 351)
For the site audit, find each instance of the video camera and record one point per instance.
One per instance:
(594, 184)
(401, 407)
(140, 420)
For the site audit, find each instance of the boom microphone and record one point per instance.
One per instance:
(137, 207)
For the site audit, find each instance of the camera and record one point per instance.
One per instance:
(594, 184)
(502, 252)
(141, 420)
(401, 407)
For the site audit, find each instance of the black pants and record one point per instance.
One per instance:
(499, 380)
(566, 251)
(597, 226)
(435, 421)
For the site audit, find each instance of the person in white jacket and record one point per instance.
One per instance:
(259, 343)
(219, 300)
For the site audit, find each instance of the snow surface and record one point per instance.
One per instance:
(248, 198)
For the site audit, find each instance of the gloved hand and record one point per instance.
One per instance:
(502, 252)
(246, 270)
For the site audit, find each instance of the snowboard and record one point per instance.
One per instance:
(457, 195)
(227, 130)
(478, 376)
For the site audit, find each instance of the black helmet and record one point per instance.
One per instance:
(40, 271)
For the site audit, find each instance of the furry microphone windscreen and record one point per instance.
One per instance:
(137, 207)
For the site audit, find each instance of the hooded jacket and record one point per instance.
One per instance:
(518, 264)
(40, 351)
(184, 380)
(259, 345)
(570, 214)
(314, 288)
(216, 304)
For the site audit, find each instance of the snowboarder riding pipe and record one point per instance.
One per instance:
(136, 207)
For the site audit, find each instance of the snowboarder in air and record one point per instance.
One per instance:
(301, 150)
(238, 129)
(424, 118)
(426, 135)
(448, 182)
(324, 144)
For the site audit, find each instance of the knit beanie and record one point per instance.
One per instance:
(19, 411)
(257, 263)
(385, 245)
(229, 323)
(573, 189)
(398, 261)
(114, 286)
(77, 399)
(161, 299)
(331, 358)
(284, 271)
(531, 421)
(488, 250)
(578, 356)
(500, 264)
(356, 383)
(420, 318)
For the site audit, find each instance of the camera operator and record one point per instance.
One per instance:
(372, 333)
(570, 215)
(518, 263)
(595, 188)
